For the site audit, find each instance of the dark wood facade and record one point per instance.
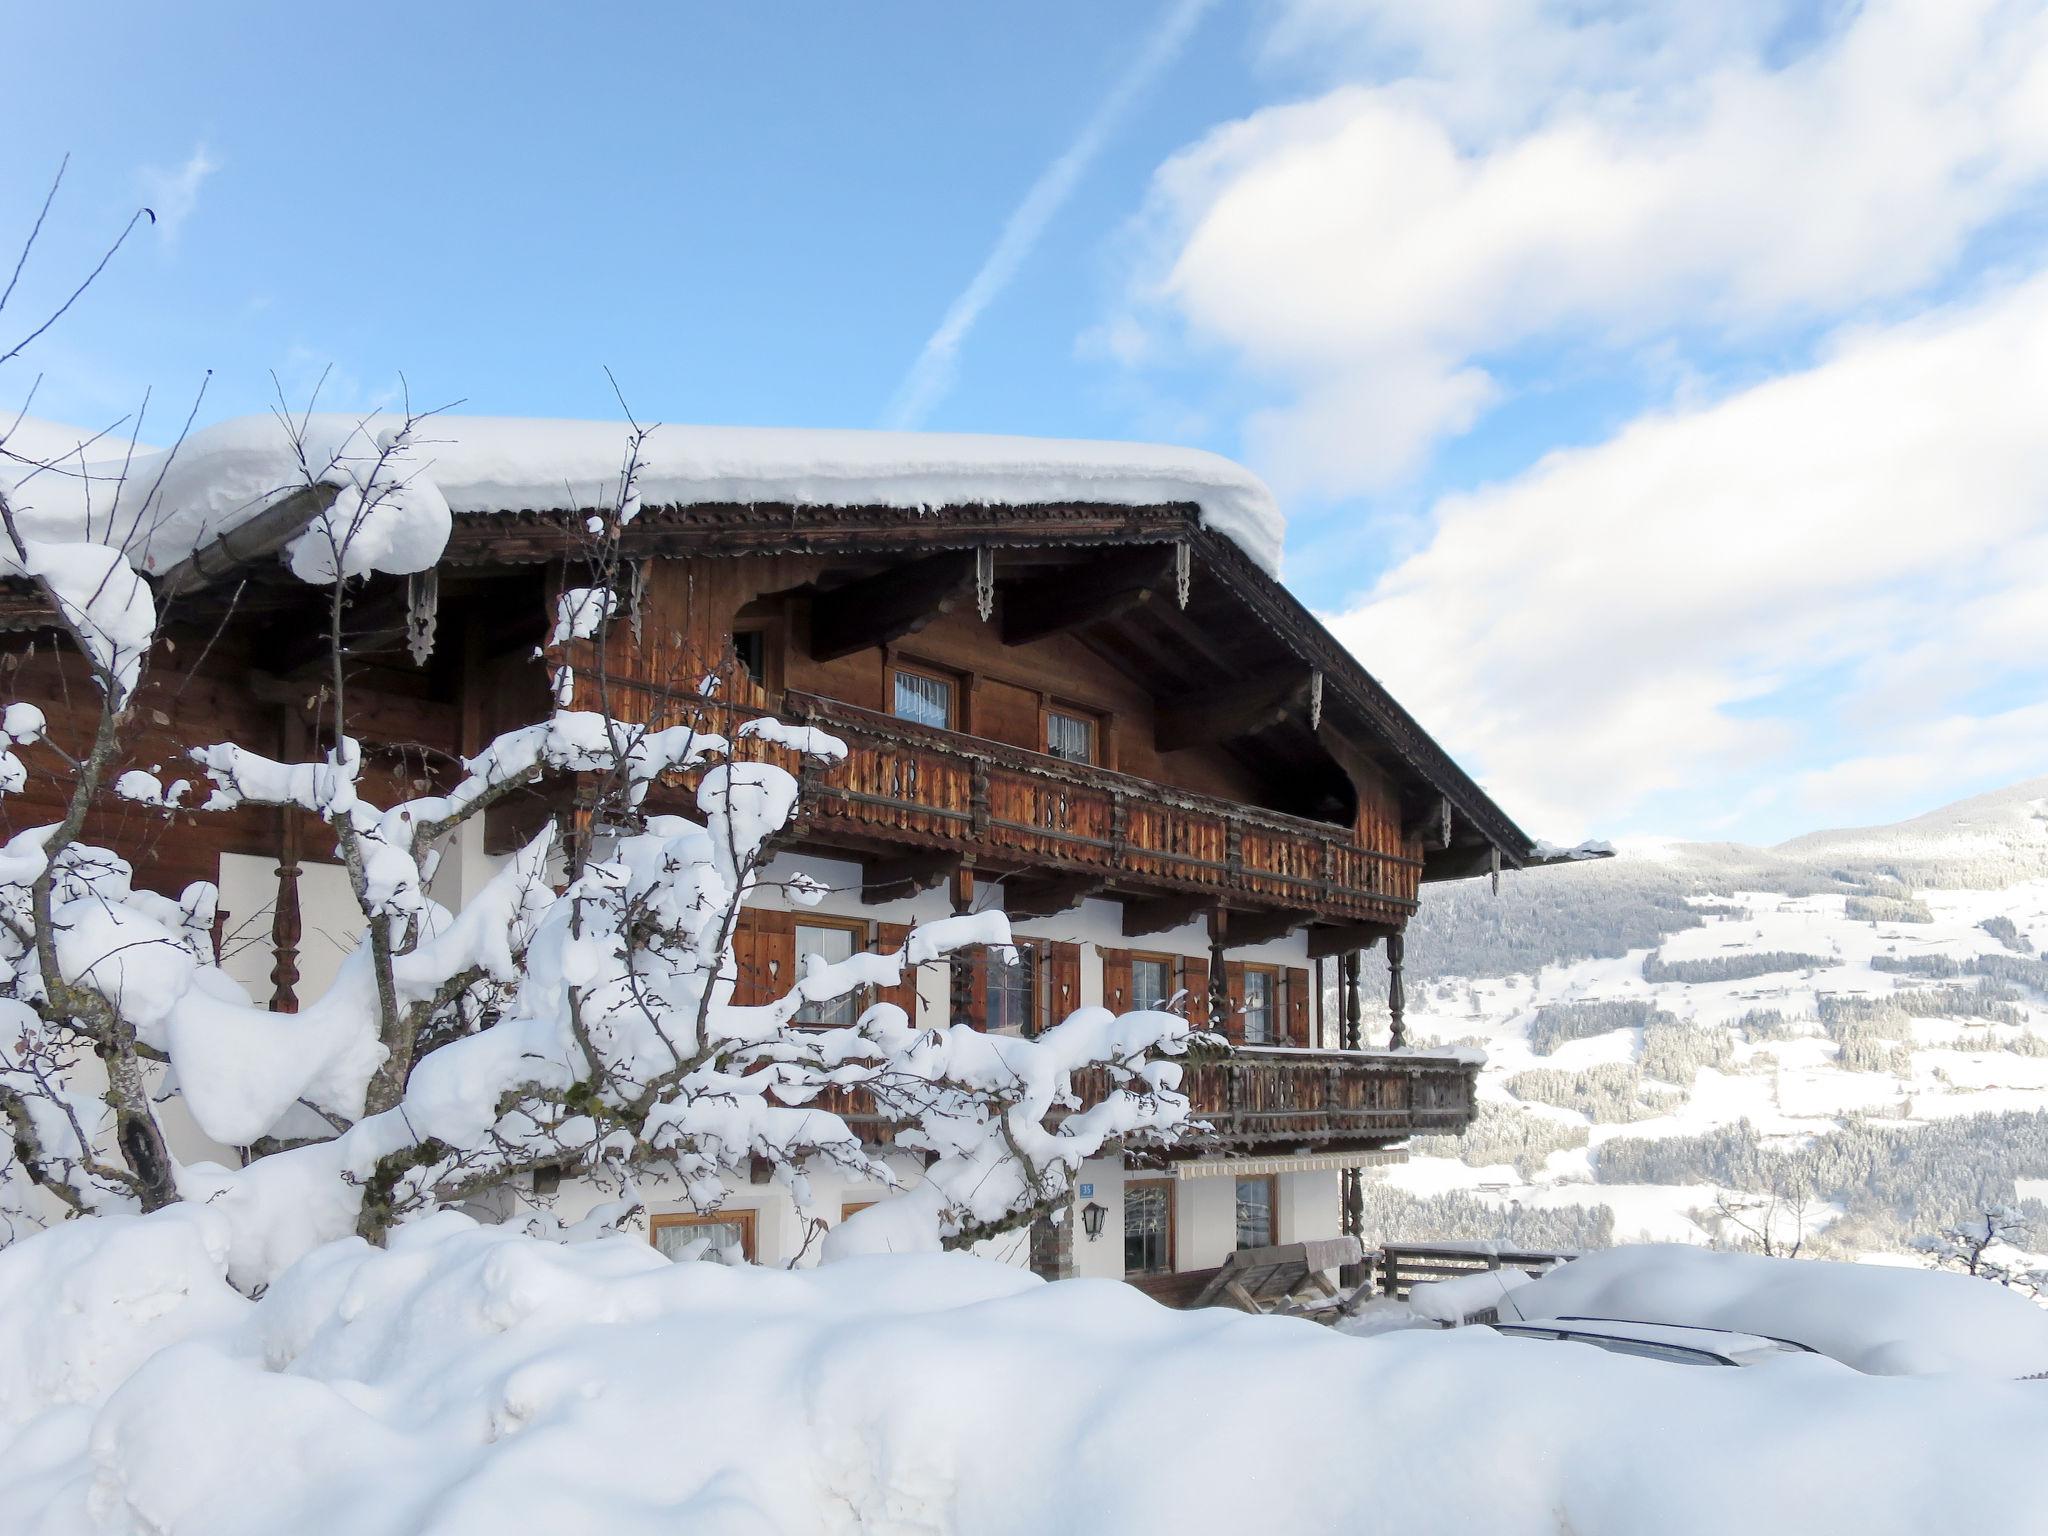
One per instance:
(1245, 771)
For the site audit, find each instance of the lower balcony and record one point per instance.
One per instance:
(1271, 1101)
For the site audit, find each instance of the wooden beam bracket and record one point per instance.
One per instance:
(1158, 914)
(896, 601)
(1068, 597)
(905, 875)
(1046, 895)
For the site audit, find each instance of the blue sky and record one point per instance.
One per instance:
(1646, 384)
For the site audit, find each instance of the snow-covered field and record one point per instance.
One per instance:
(1921, 1005)
(475, 1381)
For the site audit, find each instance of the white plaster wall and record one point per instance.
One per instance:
(779, 1231)
(1204, 1217)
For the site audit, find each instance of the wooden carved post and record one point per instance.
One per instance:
(1219, 983)
(1354, 1275)
(1397, 996)
(1350, 1038)
(286, 927)
(960, 973)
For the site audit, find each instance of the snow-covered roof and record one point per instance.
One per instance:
(224, 474)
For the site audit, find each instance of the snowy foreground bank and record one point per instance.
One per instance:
(477, 1381)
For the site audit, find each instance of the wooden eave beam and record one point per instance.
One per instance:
(260, 538)
(1463, 862)
(1215, 715)
(894, 602)
(1263, 926)
(1326, 940)
(1070, 596)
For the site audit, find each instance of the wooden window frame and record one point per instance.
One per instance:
(1048, 706)
(1276, 1020)
(960, 684)
(1272, 1183)
(1174, 972)
(848, 1208)
(863, 938)
(1171, 1186)
(745, 1217)
(1040, 953)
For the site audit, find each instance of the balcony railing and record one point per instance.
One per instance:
(1270, 1100)
(905, 783)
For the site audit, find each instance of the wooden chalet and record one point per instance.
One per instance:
(1104, 716)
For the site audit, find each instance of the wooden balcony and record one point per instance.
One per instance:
(1273, 1100)
(914, 786)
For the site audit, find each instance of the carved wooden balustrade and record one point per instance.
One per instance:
(1281, 1099)
(917, 786)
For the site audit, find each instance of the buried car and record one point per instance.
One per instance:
(1673, 1343)
(1881, 1319)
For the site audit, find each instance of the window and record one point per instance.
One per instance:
(923, 699)
(751, 647)
(1257, 1004)
(1148, 1227)
(724, 1237)
(829, 942)
(1069, 737)
(852, 1207)
(1255, 1228)
(1013, 992)
(1151, 982)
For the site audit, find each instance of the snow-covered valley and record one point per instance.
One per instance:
(1844, 1038)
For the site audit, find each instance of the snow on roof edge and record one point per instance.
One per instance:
(225, 473)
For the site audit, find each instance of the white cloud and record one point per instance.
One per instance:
(173, 194)
(931, 375)
(1866, 539)
(1614, 176)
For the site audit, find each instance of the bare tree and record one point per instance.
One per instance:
(576, 1016)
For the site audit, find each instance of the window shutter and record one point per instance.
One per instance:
(764, 950)
(1233, 986)
(1062, 980)
(774, 953)
(1194, 975)
(1295, 1030)
(1116, 979)
(890, 937)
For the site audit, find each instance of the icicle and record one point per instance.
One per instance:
(1183, 571)
(636, 598)
(985, 581)
(1315, 699)
(1496, 869)
(422, 613)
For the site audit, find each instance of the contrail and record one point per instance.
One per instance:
(932, 374)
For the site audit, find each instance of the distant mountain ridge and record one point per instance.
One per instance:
(1844, 1036)
(1603, 910)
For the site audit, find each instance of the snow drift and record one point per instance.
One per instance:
(474, 1380)
(1882, 1319)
